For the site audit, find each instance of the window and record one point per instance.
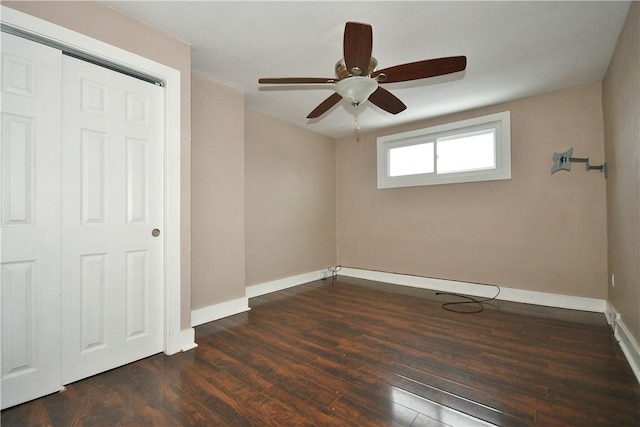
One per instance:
(477, 149)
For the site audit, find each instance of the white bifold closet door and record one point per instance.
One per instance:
(31, 76)
(112, 189)
(82, 219)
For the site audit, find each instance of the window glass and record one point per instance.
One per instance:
(411, 159)
(467, 152)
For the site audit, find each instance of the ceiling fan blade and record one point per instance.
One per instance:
(422, 69)
(296, 80)
(357, 46)
(325, 106)
(387, 101)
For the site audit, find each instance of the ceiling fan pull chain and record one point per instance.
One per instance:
(357, 120)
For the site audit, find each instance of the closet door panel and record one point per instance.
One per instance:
(112, 200)
(30, 265)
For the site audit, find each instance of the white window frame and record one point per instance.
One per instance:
(500, 122)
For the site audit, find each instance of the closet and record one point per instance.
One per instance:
(83, 183)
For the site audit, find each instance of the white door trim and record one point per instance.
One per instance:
(173, 339)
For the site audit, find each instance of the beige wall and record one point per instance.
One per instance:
(621, 104)
(536, 231)
(218, 193)
(102, 23)
(290, 198)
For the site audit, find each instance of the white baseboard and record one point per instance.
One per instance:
(627, 342)
(280, 284)
(219, 311)
(188, 339)
(506, 294)
(610, 314)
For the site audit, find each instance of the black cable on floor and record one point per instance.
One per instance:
(469, 300)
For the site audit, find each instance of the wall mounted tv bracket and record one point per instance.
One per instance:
(562, 161)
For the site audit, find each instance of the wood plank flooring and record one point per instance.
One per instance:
(349, 352)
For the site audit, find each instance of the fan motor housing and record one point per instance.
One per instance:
(343, 73)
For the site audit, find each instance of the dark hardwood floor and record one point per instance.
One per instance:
(357, 353)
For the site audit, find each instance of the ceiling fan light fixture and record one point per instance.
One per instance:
(357, 89)
(357, 78)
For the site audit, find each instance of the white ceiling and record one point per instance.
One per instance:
(514, 49)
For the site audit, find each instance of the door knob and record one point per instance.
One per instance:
(155, 232)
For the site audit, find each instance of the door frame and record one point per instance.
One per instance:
(173, 339)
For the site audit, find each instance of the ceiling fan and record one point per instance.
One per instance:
(358, 80)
